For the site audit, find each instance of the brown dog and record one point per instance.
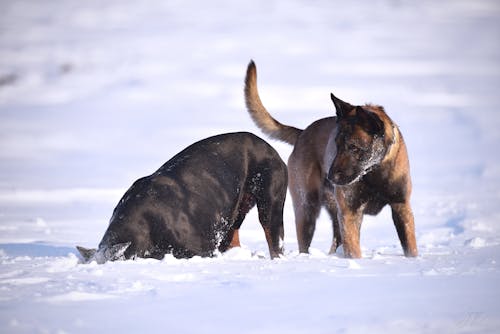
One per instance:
(352, 164)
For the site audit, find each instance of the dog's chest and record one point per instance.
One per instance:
(374, 205)
(372, 198)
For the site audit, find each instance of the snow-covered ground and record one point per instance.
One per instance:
(95, 94)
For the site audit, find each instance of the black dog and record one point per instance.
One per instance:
(195, 203)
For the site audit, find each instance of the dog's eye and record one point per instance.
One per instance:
(353, 148)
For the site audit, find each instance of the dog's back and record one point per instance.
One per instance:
(196, 201)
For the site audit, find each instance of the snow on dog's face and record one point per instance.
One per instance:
(103, 254)
(359, 142)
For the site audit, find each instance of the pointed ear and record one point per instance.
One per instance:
(87, 254)
(342, 108)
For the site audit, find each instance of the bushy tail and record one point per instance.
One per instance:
(259, 114)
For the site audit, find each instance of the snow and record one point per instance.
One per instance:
(94, 95)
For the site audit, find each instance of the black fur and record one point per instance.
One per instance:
(195, 202)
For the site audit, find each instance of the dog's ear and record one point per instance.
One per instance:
(86, 253)
(370, 121)
(342, 108)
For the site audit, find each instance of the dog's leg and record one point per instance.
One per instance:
(306, 213)
(304, 181)
(274, 237)
(331, 208)
(350, 225)
(349, 220)
(405, 226)
(270, 208)
(336, 239)
(272, 223)
(235, 241)
(232, 239)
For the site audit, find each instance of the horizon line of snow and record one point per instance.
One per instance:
(68, 195)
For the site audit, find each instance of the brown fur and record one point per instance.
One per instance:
(352, 164)
(235, 242)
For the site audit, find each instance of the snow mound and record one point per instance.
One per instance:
(476, 242)
(77, 297)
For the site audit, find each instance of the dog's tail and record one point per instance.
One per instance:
(259, 114)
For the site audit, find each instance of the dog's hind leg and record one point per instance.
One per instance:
(305, 188)
(270, 204)
(271, 219)
(306, 207)
(305, 223)
(232, 239)
(235, 241)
